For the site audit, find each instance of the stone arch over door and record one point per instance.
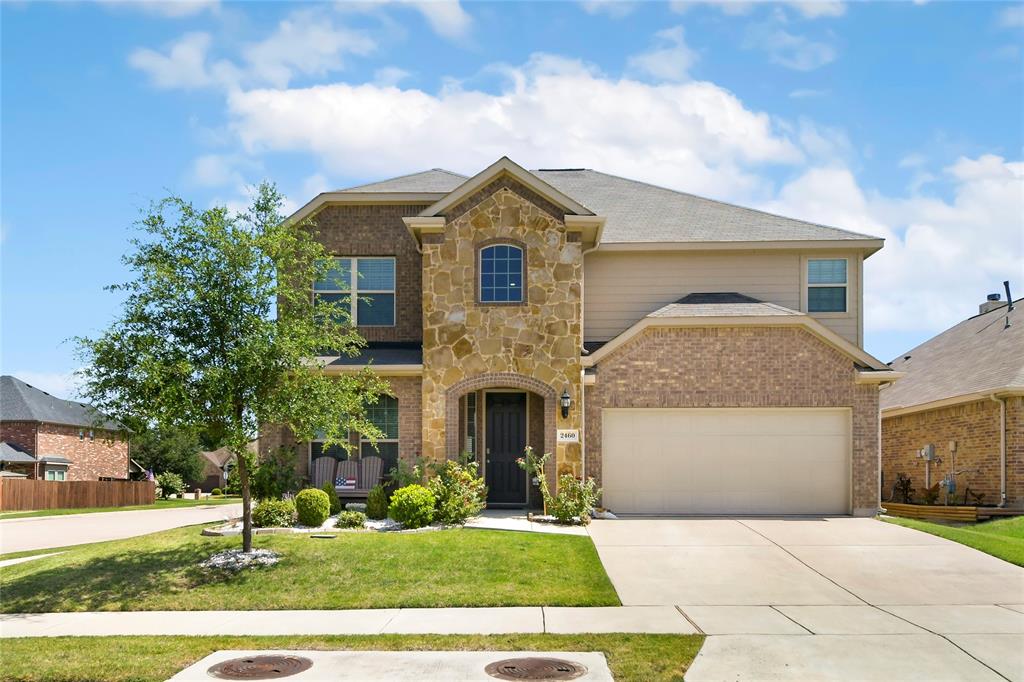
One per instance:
(502, 380)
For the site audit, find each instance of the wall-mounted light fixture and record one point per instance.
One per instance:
(565, 401)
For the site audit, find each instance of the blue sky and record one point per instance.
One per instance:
(903, 120)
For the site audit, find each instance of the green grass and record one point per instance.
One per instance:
(644, 658)
(1003, 538)
(159, 504)
(458, 567)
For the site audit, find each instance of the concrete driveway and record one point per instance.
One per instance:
(823, 598)
(45, 532)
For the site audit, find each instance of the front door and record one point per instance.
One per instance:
(506, 439)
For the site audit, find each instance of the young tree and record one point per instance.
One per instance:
(219, 333)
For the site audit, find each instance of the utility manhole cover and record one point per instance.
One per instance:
(535, 669)
(260, 667)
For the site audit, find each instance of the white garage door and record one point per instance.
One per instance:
(726, 461)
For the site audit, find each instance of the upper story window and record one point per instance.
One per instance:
(826, 285)
(365, 285)
(501, 274)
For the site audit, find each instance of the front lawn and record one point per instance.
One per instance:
(1003, 538)
(159, 504)
(646, 658)
(353, 571)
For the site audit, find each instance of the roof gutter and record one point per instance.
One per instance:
(869, 246)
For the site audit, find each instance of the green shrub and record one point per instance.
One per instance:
(274, 514)
(274, 475)
(459, 492)
(332, 496)
(234, 483)
(169, 484)
(412, 506)
(575, 499)
(351, 519)
(216, 492)
(377, 502)
(312, 507)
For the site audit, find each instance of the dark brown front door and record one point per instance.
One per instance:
(506, 438)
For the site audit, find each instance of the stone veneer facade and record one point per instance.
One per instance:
(469, 345)
(975, 428)
(738, 367)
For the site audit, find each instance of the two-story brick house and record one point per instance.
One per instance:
(49, 438)
(692, 356)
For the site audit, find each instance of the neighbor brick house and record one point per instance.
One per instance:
(692, 356)
(963, 394)
(57, 440)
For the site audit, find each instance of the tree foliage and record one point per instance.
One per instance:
(219, 333)
(172, 450)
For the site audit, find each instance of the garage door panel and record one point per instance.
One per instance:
(726, 461)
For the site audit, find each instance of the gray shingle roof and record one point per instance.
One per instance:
(976, 356)
(433, 180)
(12, 453)
(21, 402)
(638, 212)
(720, 304)
(383, 353)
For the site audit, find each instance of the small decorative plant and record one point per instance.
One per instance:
(903, 489)
(216, 492)
(274, 514)
(377, 502)
(312, 507)
(931, 495)
(412, 506)
(332, 496)
(404, 474)
(459, 491)
(533, 465)
(170, 483)
(351, 519)
(575, 499)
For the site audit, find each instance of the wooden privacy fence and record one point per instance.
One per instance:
(25, 494)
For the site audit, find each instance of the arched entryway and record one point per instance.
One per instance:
(492, 417)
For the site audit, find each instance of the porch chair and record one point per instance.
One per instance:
(322, 471)
(366, 471)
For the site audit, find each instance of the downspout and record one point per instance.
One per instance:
(1002, 449)
(583, 351)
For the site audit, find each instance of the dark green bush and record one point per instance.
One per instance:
(351, 519)
(169, 483)
(332, 496)
(274, 514)
(275, 475)
(234, 483)
(312, 507)
(575, 499)
(459, 492)
(377, 502)
(216, 492)
(412, 506)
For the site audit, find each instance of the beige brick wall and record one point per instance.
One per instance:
(975, 428)
(738, 367)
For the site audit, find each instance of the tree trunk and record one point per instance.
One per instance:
(243, 479)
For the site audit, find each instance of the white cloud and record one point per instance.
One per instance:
(1011, 17)
(940, 257)
(808, 93)
(446, 17)
(390, 76)
(696, 135)
(813, 9)
(669, 60)
(60, 384)
(172, 9)
(307, 43)
(790, 50)
(809, 9)
(616, 9)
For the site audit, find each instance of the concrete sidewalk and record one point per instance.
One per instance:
(451, 621)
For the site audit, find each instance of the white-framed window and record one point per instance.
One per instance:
(384, 415)
(827, 285)
(55, 474)
(501, 274)
(365, 285)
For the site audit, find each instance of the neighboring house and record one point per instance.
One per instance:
(217, 465)
(691, 355)
(963, 393)
(57, 440)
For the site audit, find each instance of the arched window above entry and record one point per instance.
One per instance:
(501, 274)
